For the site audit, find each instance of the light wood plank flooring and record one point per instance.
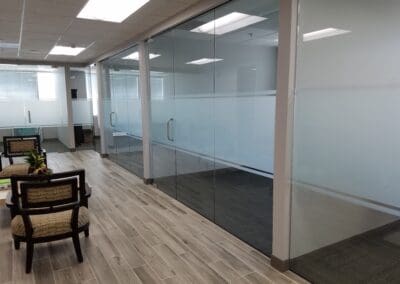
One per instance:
(138, 235)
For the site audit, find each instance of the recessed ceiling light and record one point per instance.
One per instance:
(8, 44)
(203, 61)
(228, 23)
(110, 10)
(66, 50)
(135, 56)
(328, 32)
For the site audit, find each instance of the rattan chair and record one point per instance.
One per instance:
(49, 209)
(19, 146)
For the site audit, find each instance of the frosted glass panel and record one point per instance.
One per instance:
(122, 110)
(43, 113)
(232, 131)
(12, 114)
(32, 96)
(244, 121)
(82, 111)
(125, 102)
(346, 199)
(17, 83)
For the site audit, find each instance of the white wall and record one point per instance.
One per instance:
(50, 133)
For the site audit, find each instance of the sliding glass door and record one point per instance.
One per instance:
(213, 121)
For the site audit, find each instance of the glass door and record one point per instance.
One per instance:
(123, 123)
(194, 116)
(245, 92)
(109, 115)
(161, 54)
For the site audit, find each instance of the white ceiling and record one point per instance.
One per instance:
(49, 22)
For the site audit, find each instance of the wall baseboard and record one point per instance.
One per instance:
(104, 155)
(72, 150)
(280, 265)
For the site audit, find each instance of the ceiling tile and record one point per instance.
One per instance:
(8, 53)
(33, 55)
(10, 28)
(40, 45)
(65, 8)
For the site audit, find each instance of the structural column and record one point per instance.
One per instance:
(70, 139)
(283, 134)
(144, 87)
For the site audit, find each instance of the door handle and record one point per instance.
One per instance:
(29, 117)
(111, 119)
(170, 138)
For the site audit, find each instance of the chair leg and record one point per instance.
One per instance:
(29, 256)
(16, 244)
(87, 232)
(77, 246)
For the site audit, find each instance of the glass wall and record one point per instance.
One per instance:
(213, 110)
(82, 91)
(345, 202)
(122, 111)
(33, 101)
(25, 91)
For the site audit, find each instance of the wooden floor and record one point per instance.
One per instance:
(138, 235)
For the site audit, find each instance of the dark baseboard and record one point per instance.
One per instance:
(280, 265)
(148, 180)
(104, 155)
(72, 150)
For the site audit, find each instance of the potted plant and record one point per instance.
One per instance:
(36, 163)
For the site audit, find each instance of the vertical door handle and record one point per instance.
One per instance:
(29, 117)
(170, 138)
(111, 119)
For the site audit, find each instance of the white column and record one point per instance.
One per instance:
(283, 134)
(101, 94)
(70, 125)
(145, 94)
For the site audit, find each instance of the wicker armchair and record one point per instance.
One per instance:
(19, 146)
(49, 209)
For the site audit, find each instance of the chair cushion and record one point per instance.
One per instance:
(46, 225)
(15, 169)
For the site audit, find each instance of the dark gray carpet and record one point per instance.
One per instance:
(368, 258)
